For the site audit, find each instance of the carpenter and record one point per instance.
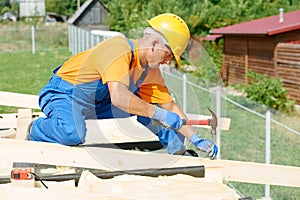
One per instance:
(119, 78)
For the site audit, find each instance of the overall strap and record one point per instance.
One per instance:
(143, 76)
(132, 50)
(144, 73)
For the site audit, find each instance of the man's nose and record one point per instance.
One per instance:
(168, 61)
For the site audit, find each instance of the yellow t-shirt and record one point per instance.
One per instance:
(110, 61)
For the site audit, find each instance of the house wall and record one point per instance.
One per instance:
(234, 63)
(92, 16)
(287, 65)
(257, 53)
(32, 8)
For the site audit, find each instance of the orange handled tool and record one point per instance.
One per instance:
(213, 122)
(196, 122)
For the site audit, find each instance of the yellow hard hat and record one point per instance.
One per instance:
(174, 29)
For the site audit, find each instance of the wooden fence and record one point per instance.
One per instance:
(287, 66)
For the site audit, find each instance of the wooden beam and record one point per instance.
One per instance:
(8, 133)
(117, 131)
(11, 120)
(8, 121)
(98, 158)
(260, 173)
(116, 159)
(10, 192)
(112, 130)
(23, 120)
(31, 101)
(19, 100)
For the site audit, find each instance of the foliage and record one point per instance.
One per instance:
(63, 7)
(200, 15)
(267, 91)
(5, 5)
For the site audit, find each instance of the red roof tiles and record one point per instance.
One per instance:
(266, 26)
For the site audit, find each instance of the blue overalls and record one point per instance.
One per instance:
(67, 106)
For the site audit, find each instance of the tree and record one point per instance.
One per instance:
(62, 7)
(200, 15)
(4, 6)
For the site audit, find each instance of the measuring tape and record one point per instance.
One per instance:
(22, 174)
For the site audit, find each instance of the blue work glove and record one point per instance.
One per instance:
(206, 146)
(169, 120)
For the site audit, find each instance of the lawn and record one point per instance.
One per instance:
(24, 72)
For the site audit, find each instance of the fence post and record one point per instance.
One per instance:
(268, 147)
(70, 37)
(218, 114)
(33, 39)
(184, 93)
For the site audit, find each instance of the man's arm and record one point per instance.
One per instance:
(202, 144)
(187, 131)
(127, 101)
(124, 99)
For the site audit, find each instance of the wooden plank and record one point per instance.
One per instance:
(23, 120)
(8, 121)
(10, 192)
(98, 158)
(289, 62)
(19, 100)
(116, 159)
(8, 133)
(113, 130)
(117, 131)
(260, 173)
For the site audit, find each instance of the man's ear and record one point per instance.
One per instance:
(154, 43)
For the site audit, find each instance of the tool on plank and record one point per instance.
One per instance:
(23, 174)
(213, 123)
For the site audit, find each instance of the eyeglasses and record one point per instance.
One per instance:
(170, 52)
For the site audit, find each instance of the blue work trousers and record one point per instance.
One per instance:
(67, 106)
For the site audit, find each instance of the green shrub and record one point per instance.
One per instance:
(267, 91)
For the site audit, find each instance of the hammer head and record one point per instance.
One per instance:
(213, 122)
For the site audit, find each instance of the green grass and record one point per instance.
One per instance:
(24, 72)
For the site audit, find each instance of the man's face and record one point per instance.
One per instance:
(161, 54)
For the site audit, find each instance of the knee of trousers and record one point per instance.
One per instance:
(54, 131)
(71, 136)
(172, 141)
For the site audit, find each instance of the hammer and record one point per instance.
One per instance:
(213, 122)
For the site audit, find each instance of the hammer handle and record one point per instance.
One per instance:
(196, 122)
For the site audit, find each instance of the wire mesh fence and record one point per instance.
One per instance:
(20, 37)
(246, 138)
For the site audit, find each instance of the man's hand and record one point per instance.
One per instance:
(206, 146)
(169, 120)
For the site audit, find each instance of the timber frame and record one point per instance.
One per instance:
(111, 159)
